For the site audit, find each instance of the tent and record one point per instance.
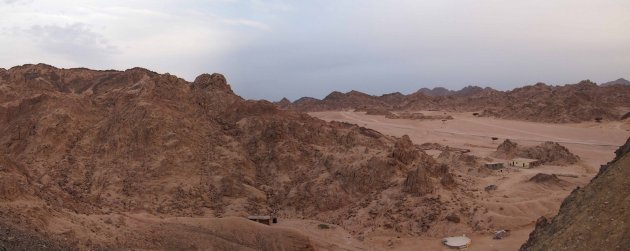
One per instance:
(457, 241)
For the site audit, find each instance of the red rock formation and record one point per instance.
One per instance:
(78, 143)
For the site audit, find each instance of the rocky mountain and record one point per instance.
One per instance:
(441, 91)
(392, 101)
(341, 101)
(283, 103)
(121, 160)
(584, 101)
(436, 91)
(620, 81)
(548, 152)
(594, 217)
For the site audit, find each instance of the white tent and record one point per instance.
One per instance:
(457, 241)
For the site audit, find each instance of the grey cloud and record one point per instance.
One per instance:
(378, 50)
(275, 48)
(76, 41)
(16, 1)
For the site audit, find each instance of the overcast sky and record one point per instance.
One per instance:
(271, 49)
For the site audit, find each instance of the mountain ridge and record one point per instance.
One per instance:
(88, 148)
(583, 101)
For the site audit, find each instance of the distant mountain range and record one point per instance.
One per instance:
(441, 91)
(584, 101)
(621, 81)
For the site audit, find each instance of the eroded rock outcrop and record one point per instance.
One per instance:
(548, 152)
(213, 81)
(544, 178)
(405, 151)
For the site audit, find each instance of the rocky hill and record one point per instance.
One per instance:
(103, 159)
(437, 91)
(584, 101)
(620, 81)
(594, 217)
(548, 152)
(341, 101)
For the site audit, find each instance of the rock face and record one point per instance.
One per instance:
(405, 151)
(14, 238)
(592, 218)
(548, 152)
(453, 218)
(551, 153)
(213, 82)
(507, 149)
(579, 102)
(550, 179)
(79, 143)
(418, 182)
(622, 151)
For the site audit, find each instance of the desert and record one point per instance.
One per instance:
(517, 203)
(280, 125)
(139, 160)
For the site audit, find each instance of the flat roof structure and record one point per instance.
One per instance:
(495, 165)
(526, 160)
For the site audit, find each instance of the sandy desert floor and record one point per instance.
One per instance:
(515, 205)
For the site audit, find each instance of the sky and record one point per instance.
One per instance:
(280, 48)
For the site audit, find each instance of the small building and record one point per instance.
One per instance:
(524, 163)
(264, 219)
(494, 165)
(458, 242)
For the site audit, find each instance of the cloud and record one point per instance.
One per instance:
(16, 1)
(274, 48)
(247, 23)
(271, 5)
(76, 41)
